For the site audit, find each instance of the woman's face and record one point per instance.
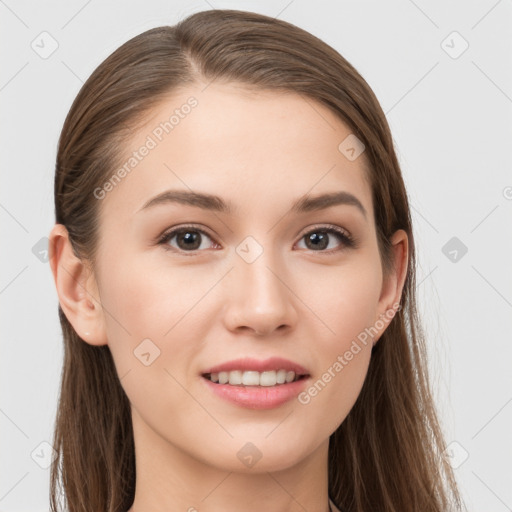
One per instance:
(256, 272)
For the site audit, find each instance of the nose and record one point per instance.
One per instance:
(259, 300)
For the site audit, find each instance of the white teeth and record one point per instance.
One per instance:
(268, 378)
(249, 378)
(290, 376)
(281, 376)
(235, 378)
(252, 378)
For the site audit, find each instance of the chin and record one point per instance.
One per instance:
(257, 455)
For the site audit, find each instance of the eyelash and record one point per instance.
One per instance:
(348, 242)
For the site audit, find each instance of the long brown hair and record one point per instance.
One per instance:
(387, 455)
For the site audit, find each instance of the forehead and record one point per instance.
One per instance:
(251, 147)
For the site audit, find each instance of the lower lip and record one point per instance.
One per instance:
(257, 397)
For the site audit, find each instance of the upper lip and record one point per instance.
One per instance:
(249, 364)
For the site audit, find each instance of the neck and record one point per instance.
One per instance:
(167, 478)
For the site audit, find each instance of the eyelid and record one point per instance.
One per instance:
(329, 227)
(348, 241)
(164, 238)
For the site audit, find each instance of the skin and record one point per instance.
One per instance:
(260, 151)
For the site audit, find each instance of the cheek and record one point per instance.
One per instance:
(344, 299)
(151, 321)
(147, 299)
(150, 309)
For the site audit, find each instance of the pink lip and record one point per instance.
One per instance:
(248, 364)
(257, 397)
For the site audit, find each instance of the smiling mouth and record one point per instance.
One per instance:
(254, 378)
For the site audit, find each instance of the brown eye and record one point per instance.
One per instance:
(187, 239)
(319, 239)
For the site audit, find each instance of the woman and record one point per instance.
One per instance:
(235, 264)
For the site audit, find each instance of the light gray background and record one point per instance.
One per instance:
(450, 115)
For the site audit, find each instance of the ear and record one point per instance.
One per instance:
(392, 286)
(76, 288)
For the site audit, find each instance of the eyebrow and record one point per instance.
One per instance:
(215, 203)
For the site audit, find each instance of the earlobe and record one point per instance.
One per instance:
(392, 286)
(76, 288)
